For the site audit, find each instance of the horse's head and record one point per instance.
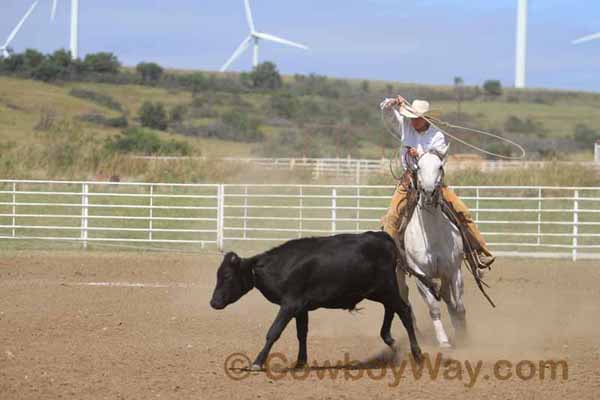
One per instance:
(430, 174)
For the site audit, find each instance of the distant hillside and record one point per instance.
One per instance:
(263, 114)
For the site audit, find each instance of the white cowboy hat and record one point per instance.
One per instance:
(418, 109)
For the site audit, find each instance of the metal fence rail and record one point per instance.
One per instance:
(356, 168)
(539, 221)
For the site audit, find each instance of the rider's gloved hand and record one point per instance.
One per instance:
(387, 103)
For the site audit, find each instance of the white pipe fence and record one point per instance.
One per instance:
(517, 220)
(356, 168)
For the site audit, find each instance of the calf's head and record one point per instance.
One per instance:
(234, 280)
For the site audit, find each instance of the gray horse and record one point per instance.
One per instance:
(434, 248)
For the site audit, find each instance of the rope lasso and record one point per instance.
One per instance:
(437, 122)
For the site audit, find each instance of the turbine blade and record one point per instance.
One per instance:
(241, 48)
(587, 38)
(20, 24)
(53, 12)
(276, 39)
(249, 15)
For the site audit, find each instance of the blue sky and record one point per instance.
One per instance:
(423, 41)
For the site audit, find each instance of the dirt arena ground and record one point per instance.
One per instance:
(62, 337)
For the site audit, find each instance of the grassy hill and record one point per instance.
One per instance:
(218, 115)
(24, 102)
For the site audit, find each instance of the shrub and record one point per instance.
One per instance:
(285, 105)
(153, 115)
(97, 98)
(33, 59)
(264, 76)
(242, 127)
(528, 125)
(47, 71)
(492, 88)
(177, 114)
(99, 119)
(150, 72)
(584, 135)
(141, 141)
(102, 63)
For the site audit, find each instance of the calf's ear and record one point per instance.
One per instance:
(234, 258)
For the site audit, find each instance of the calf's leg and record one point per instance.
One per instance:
(385, 333)
(283, 318)
(404, 311)
(302, 333)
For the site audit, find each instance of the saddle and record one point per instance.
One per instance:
(408, 181)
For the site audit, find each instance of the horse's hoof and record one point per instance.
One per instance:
(256, 367)
(445, 345)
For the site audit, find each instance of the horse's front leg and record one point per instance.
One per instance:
(435, 314)
(458, 317)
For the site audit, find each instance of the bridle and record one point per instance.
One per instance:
(413, 166)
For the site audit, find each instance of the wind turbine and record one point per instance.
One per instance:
(255, 37)
(587, 38)
(521, 54)
(74, 26)
(4, 48)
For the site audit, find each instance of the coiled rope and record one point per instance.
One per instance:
(438, 123)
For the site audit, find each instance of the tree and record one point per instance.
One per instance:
(33, 59)
(150, 72)
(492, 88)
(265, 76)
(61, 58)
(458, 92)
(153, 115)
(47, 71)
(102, 63)
(14, 63)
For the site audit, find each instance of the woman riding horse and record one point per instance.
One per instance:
(419, 137)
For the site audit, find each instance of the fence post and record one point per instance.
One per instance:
(245, 210)
(84, 214)
(539, 217)
(220, 216)
(575, 223)
(317, 173)
(14, 207)
(151, 212)
(357, 172)
(477, 205)
(301, 205)
(333, 209)
(358, 209)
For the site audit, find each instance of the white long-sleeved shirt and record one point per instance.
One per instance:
(431, 139)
